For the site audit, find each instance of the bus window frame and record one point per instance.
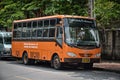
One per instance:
(40, 25)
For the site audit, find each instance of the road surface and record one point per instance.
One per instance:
(13, 70)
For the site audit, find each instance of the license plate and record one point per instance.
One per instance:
(85, 60)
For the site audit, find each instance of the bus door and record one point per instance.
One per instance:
(59, 37)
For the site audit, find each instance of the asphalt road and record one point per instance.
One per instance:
(13, 70)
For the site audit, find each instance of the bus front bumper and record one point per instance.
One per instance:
(5, 54)
(82, 60)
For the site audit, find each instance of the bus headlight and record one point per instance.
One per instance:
(71, 54)
(98, 55)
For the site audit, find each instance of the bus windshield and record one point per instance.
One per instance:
(7, 40)
(81, 32)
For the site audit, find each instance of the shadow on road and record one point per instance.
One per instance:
(8, 59)
(46, 66)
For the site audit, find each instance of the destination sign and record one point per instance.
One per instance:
(71, 20)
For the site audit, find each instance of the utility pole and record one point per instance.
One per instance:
(91, 8)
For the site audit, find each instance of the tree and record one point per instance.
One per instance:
(21, 9)
(70, 7)
(107, 13)
(10, 10)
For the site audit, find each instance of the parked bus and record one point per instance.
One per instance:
(5, 44)
(58, 39)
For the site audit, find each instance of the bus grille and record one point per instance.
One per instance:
(85, 55)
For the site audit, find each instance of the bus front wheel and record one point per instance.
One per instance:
(56, 62)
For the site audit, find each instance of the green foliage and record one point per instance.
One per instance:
(10, 11)
(14, 9)
(107, 12)
(70, 7)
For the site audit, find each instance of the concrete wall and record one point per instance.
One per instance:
(111, 44)
(117, 45)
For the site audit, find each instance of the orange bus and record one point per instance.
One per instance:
(58, 39)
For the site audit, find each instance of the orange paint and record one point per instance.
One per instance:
(43, 48)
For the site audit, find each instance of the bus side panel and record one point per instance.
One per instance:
(18, 49)
(54, 48)
(36, 50)
(47, 49)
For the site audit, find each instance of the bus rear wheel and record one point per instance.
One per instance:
(25, 59)
(56, 62)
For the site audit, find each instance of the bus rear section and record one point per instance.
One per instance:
(59, 39)
(5, 44)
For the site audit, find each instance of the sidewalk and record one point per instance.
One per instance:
(109, 65)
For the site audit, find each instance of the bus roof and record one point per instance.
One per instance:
(55, 16)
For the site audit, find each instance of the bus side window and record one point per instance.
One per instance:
(17, 30)
(45, 33)
(16, 34)
(52, 32)
(40, 23)
(24, 30)
(34, 32)
(34, 24)
(46, 23)
(15, 26)
(52, 22)
(29, 24)
(39, 32)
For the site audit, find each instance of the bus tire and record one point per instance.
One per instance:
(56, 62)
(25, 59)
